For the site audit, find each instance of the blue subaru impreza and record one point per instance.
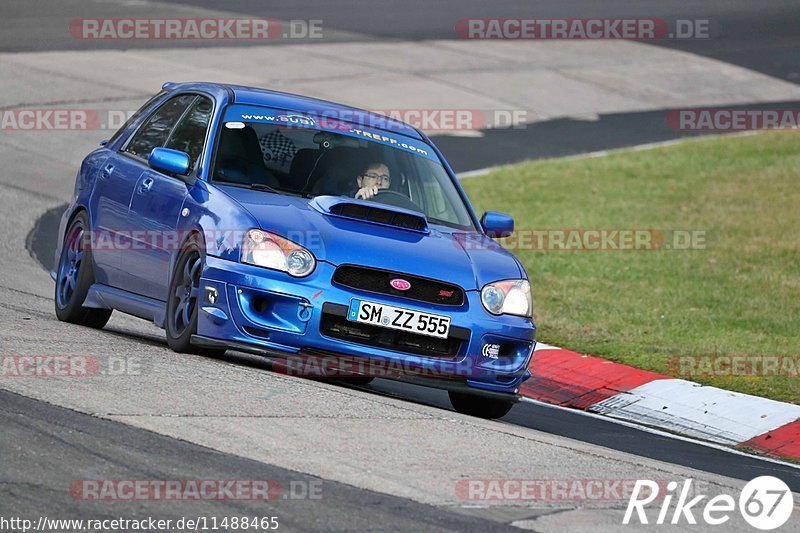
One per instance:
(335, 241)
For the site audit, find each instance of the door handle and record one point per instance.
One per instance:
(107, 170)
(146, 184)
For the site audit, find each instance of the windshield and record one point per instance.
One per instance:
(293, 154)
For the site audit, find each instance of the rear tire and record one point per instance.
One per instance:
(74, 276)
(359, 380)
(479, 406)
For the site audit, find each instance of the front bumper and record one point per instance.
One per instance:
(271, 313)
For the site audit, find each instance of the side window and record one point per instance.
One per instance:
(157, 127)
(190, 133)
(135, 117)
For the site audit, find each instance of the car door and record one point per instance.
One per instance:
(132, 160)
(111, 198)
(157, 202)
(109, 205)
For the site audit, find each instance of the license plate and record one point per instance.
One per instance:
(388, 316)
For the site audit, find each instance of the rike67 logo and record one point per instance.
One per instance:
(766, 503)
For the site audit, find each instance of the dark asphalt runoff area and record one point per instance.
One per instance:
(46, 450)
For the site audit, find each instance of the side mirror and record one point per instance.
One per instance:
(169, 161)
(497, 225)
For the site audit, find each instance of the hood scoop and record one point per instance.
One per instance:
(371, 212)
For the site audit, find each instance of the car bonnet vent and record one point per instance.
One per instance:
(377, 214)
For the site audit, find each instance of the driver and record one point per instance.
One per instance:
(371, 180)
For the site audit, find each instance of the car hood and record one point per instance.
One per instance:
(469, 260)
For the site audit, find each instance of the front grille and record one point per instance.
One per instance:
(339, 327)
(375, 280)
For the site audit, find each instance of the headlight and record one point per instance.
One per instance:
(266, 250)
(509, 297)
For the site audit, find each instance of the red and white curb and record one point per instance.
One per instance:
(570, 379)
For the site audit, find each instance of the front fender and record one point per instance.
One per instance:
(219, 219)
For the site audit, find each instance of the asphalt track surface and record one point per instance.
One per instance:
(61, 442)
(45, 446)
(761, 36)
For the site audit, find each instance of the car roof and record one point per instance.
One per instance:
(306, 104)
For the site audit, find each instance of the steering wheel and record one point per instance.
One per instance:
(396, 199)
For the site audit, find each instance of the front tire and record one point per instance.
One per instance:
(479, 406)
(184, 288)
(183, 302)
(75, 275)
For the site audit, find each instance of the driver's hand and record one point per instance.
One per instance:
(365, 193)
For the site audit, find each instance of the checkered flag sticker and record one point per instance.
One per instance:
(277, 148)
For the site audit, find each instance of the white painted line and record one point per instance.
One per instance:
(661, 433)
(699, 411)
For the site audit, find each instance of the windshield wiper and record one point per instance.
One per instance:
(267, 188)
(257, 187)
(264, 187)
(447, 224)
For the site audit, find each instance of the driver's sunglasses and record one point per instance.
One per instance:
(378, 177)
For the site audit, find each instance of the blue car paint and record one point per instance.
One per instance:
(228, 277)
(136, 282)
(169, 161)
(341, 241)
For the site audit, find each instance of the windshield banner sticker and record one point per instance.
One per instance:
(237, 115)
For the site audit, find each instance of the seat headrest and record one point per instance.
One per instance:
(241, 144)
(339, 175)
(302, 165)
